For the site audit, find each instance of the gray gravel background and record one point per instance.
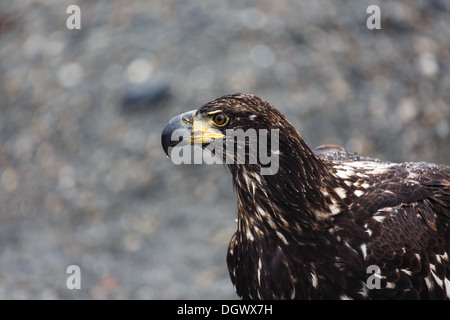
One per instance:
(83, 178)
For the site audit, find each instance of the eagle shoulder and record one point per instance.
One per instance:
(404, 213)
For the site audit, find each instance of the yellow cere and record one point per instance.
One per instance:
(202, 132)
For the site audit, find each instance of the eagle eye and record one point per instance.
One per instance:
(220, 119)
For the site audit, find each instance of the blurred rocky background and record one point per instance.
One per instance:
(83, 178)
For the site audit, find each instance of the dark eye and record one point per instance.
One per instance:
(220, 119)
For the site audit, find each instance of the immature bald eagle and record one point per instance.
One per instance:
(328, 224)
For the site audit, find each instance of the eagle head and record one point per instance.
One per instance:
(228, 121)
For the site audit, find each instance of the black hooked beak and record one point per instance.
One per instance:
(177, 130)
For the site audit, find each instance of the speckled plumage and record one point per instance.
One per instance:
(311, 230)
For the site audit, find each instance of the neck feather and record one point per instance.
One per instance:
(295, 194)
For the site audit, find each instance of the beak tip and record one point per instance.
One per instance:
(176, 123)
